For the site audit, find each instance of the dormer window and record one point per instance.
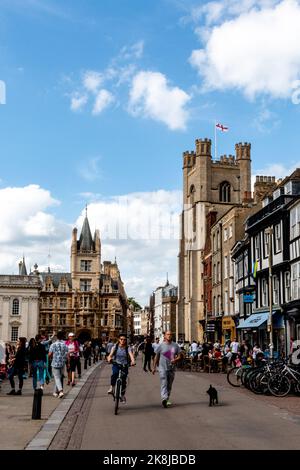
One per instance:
(276, 194)
(265, 202)
(288, 188)
(224, 195)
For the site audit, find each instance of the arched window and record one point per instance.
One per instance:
(16, 307)
(224, 192)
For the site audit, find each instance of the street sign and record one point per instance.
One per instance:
(248, 298)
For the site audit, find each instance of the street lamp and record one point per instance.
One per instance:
(269, 232)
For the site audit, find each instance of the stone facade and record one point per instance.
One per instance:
(165, 300)
(206, 183)
(19, 306)
(90, 300)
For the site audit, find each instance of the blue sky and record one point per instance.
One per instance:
(102, 98)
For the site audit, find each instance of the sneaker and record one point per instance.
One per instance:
(55, 395)
(164, 403)
(61, 394)
(42, 387)
(110, 391)
(169, 403)
(123, 399)
(73, 384)
(12, 392)
(19, 392)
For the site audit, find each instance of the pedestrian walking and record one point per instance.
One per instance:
(148, 354)
(37, 358)
(73, 357)
(58, 354)
(167, 354)
(16, 366)
(87, 354)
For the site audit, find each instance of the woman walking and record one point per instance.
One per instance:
(17, 366)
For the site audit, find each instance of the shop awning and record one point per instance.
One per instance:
(254, 321)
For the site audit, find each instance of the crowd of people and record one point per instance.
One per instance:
(214, 356)
(44, 358)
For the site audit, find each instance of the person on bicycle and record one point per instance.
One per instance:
(121, 353)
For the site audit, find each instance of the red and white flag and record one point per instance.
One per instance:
(222, 128)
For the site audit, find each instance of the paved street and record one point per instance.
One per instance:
(15, 413)
(240, 421)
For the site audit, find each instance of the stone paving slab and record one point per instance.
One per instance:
(44, 437)
(16, 411)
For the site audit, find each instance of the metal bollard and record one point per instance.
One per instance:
(37, 404)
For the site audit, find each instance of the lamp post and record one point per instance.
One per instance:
(269, 232)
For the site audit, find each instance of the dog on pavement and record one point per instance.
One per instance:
(213, 396)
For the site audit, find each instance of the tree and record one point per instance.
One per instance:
(132, 301)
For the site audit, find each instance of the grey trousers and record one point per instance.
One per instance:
(166, 381)
(57, 374)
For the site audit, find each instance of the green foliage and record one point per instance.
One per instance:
(132, 301)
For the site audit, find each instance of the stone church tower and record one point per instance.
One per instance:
(207, 184)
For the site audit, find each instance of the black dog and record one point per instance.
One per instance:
(213, 395)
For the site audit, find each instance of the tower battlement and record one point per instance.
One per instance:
(203, 147)
(265, 179)
(243, 151)
(227, 160)
(189, 159)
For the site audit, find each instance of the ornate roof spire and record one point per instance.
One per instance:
(22, 268)
(86, 240)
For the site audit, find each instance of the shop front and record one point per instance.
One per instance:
(255, 329)
(228, 329)
(293, 328)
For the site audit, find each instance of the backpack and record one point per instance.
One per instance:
(127, 354)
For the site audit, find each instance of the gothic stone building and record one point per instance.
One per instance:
(207, 184)
(90, 300)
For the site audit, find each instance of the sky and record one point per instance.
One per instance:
(98, 101)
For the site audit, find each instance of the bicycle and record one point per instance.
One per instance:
(118, 387)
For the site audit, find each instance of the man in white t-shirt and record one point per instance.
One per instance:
(234, 348)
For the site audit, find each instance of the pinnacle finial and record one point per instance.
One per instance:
(86, 210)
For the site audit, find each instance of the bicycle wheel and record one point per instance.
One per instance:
(234, 376)
(279, 385)
(117, 396)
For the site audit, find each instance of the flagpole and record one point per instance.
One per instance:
(215, 140)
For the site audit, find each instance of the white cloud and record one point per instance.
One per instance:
(266, 121)
(89, 169)
(103, 100)
(152, 96)
(92, 80)
(141, 230)
(256, 52)
(278, 170)
(132, 52)
(78, 101)
(28, 228)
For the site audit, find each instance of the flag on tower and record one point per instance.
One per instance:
(222, 128)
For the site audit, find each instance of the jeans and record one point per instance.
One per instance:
(115, 374)
(166, 381)
(38, 368)
(58, 378)
(19, 372)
